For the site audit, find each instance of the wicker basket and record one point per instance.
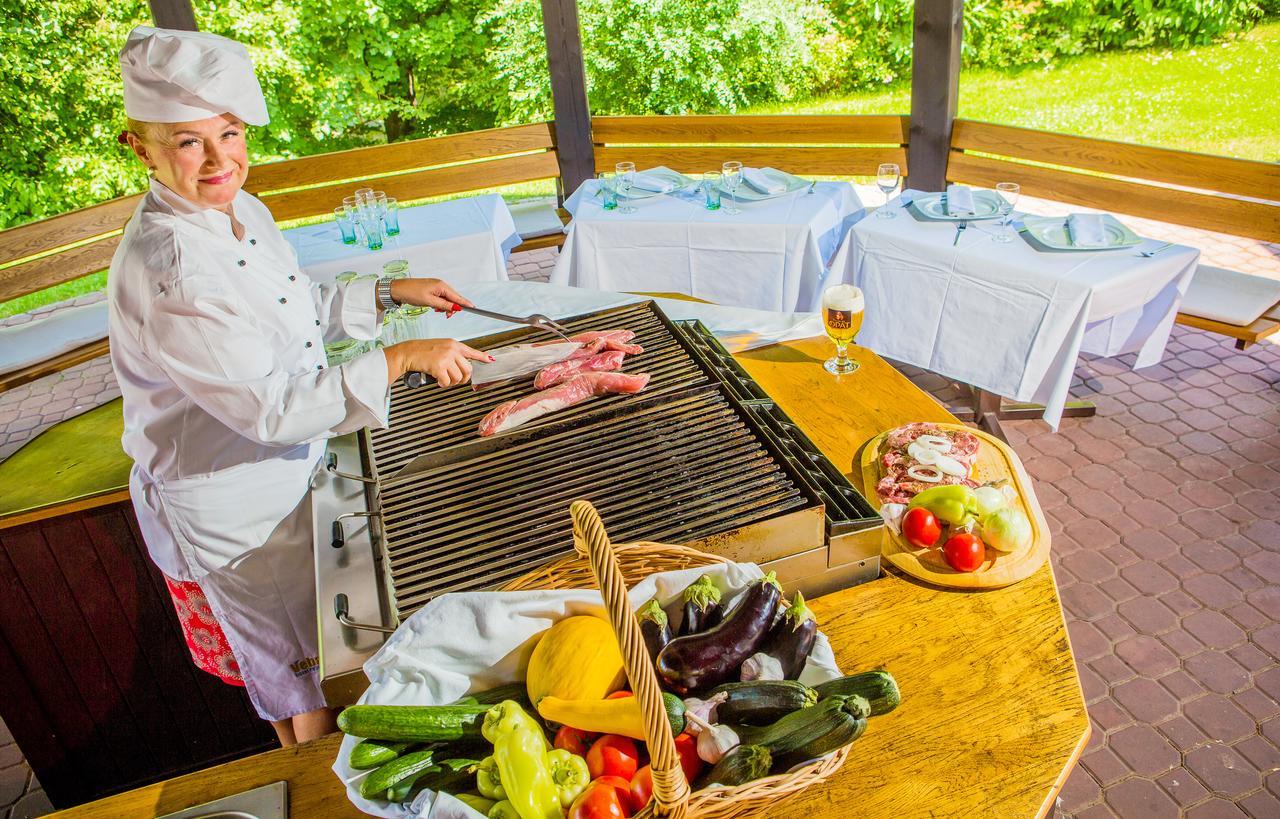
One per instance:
(614, 568)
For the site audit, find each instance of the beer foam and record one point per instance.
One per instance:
(843, 297)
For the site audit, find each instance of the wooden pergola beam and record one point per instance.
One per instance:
(935, 90)
(569, 93)
(173, 14)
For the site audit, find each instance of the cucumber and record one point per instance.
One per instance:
(761, 702)
(742, 764)
(511, 691)
(373, 753)
(376, 784)
(413, 723)
(822, 745)
(879, 688)
(447, 775)
(832, 722)
(674, 706)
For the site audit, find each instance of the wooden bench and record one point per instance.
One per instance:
(77, 244)
(1235, 196)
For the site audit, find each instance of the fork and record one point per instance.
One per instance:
(1147, 254)
(812, 185)
(960, 226)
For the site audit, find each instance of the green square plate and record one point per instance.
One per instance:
(986, 205)
(662, 172)
(746, 193)
(1051, 231)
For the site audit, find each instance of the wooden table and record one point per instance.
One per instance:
(992, 717)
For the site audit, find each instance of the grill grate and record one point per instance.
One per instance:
(675, 467)
(428, 418)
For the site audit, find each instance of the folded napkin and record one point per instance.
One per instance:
(960, 201)
(1087, 230)
(768, 184)
(648, 181)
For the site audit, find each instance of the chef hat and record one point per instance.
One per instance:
(181, 76)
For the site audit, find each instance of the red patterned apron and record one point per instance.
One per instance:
(209, 648)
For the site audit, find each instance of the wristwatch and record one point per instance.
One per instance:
(385, 301)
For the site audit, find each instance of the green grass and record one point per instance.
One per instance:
(1220, 99)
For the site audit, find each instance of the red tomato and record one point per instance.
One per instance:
(598, 802)
(574, 741)
(964, 552)
(920, 528)
(613, 755)
(618, 695)
(641, 788)
(690, 762)
(623, 787)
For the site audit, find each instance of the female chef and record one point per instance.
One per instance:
(217, 340)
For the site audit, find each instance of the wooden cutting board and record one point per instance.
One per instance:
(995, 460)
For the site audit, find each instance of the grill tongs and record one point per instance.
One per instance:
(537, 321)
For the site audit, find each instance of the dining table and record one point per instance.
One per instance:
(1009, 319)
(772, 255)
(459, 240)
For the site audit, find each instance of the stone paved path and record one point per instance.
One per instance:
(1165, 515)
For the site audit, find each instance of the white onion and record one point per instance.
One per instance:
(937, 442)
(928, 474)
(922, 453)
(951, 466)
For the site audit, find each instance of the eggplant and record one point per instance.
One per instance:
(791, 638)
(709, 658)
(654, 627)
(701, 606)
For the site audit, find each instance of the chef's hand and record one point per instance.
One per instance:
(427, 293)
(445, 360)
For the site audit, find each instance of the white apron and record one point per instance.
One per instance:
(218, 347)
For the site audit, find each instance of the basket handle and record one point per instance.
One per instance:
(670, 789)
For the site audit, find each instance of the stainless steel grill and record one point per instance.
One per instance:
(701, 457)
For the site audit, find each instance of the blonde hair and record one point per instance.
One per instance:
(137, 127)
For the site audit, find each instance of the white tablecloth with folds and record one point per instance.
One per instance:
(461, 240)
(1006, 317)
(772, 256)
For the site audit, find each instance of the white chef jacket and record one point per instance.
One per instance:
(218, 347)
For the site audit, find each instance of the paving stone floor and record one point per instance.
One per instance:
(1165, 515)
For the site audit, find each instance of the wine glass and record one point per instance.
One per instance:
(1009, 192)
(842, 308)
(887, 176)
(626, 176)
(731, 177)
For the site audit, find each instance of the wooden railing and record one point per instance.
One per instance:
(832, 145)
(72, 245)
(1235, 196)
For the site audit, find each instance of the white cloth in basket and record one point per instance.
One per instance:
(474, 641)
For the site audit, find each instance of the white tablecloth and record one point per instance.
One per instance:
(772, 256)
(461, 240)
(1006, 317)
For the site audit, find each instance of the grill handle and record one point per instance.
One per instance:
(341, 610)
(339, 534)
(331, 465)
(670, 788)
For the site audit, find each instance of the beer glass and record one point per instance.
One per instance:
(842, 309)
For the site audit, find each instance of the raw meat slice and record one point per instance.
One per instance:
(520, 411)
(612, 339)
(896, 486)
(562, 371)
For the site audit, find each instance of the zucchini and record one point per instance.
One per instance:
(373, 753)
(761, 702)
(879, 688)
(822, 745)
(742, 764)
(413, 723)
(447, 775)
(674, 706)
(832, 722)
(376, 784)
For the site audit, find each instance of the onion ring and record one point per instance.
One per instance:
(928, 474)
(937, 442)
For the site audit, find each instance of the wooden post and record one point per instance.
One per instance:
(935, 87)
(569, 93)
(174, 14)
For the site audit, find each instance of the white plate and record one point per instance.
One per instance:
(986, 205)
(746, 193)
(678, 179)
(1051, 231)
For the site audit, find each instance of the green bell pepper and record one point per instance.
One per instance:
(956, 504)
(526, 777)
(569, 771)
(487, 780)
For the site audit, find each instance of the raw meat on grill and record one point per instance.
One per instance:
(612, 340)
(562, 371)
(520, 411)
